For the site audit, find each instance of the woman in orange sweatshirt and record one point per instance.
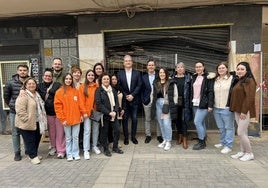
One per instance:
(68, 112)
(86, 100)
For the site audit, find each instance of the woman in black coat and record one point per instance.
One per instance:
(183, 81)
(107, 103)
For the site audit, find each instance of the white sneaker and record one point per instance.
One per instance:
(226, 150)
(52, 151)
(86, 155)
(162, 144)
(35, 161)
(60, 156)
(218, 145)
(167, 146)
(247, 157)
(238, 155)
(70, 159)
(77, 158)
(96, 150)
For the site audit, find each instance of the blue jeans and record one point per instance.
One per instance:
(87, 131)
(72, 145)
(200, 121)
(131, 110)
(164, 123)
(225, 122)
(15, 134)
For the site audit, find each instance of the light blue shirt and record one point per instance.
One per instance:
(151, 79)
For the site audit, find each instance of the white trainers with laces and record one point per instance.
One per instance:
(162, 144)
(247, 157)
(96, 150)
(35, 160)
(218, 145)
(77, 158)
(226, 150)
(238, 155)
(52, 151)
(167, 146)
(86, 155)
(70, 158)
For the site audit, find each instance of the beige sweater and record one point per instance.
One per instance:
(25, 113)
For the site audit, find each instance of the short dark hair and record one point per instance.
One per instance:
(24, 66)
(102, 75)
(57, 58)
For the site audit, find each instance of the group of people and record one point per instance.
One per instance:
(66, 105)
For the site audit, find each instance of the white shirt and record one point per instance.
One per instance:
(128, 75)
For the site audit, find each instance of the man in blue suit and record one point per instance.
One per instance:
(130, 82)
(147, 86)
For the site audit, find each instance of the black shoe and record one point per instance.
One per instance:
(17, 156)
(107, 153)
(134, 140)
(117, 150)
(200, 145)
(148, 139)
(160, 139)
(126, 142)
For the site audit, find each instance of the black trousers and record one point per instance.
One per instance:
(31, 140)
(181, 125)
(104, 133)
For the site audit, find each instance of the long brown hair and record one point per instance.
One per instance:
(158, 81)
(86, 83)
(63, 82)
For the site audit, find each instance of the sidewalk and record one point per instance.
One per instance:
(142, 165)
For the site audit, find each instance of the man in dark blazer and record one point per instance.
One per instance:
(130, 82)
(147, 85)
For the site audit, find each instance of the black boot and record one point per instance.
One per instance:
(17, 156)
(200, 145)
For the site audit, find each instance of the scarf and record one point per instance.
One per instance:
(110, 94)
(41, 113)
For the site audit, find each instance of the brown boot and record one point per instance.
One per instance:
(185, 144)
(179, 141)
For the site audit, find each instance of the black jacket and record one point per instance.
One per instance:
(187, 102)
(207, 90)
(146, 89)
(173, 108)
(135, 85)
(49, 103)
(103, 103)
(11, 92)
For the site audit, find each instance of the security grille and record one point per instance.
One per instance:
(7, 70)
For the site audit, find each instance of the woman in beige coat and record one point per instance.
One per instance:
(30, 118)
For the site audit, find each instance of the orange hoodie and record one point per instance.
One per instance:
(87, 103)
(67, 105)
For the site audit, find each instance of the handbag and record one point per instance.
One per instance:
(165, 109)
(95, 115)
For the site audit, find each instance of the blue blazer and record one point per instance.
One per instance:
(135, 86)
(146, 89)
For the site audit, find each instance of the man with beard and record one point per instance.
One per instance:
(57, 69)
(11, 92)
